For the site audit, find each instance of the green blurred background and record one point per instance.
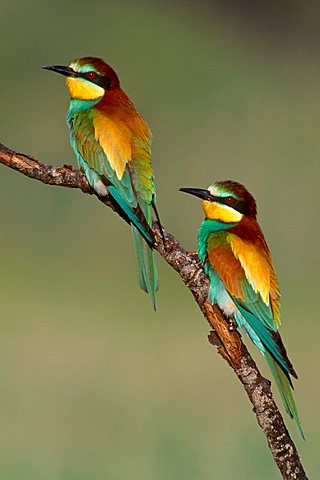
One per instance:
(93, 384)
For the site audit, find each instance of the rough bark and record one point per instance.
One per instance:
(222, 335)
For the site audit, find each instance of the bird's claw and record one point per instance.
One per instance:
(232, 325)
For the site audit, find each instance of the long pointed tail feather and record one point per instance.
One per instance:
(146, 267)
(143, 241)
(285, 390)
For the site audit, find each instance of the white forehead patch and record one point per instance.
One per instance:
(218, 191)
(81, 68)
(213, 190)
(75, 66)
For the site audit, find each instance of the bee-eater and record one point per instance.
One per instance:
(112, 144)
(243, 281)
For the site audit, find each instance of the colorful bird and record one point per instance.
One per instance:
(112, 144)
(243, 282)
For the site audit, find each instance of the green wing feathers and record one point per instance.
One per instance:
(96, 140)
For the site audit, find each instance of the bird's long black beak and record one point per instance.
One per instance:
(198, 192)
(66, 71)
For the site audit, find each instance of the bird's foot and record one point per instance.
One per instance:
(232, 325)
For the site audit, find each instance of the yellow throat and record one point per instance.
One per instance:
(220, 212)
(83, 90)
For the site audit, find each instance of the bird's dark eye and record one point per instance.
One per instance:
(229, 200)
(91, 75)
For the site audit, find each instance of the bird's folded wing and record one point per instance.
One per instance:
(128, 157)
(245, 280)
(97, 156)
(248, 296)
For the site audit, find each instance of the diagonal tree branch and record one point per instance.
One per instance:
(227, 340)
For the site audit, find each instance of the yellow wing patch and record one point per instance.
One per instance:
(115, 139)
(83, 90)
(256, 265)
(216, 211)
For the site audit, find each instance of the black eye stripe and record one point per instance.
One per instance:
(225, 201)
(239, 205)
(103, 82)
